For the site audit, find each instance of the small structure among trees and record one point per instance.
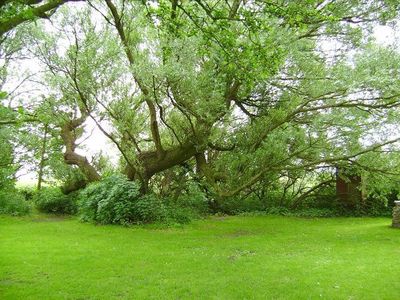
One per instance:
(349, 190)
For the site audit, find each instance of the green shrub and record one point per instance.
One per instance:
(324, 198)
(115, 200)
(276, 210)
(150, 208)
(302, 213)
(180, 215)
(237, 205)
(52, 200)
(316, 213)
(378, 204)
(110, 201)
(27, 191)
(13, 203)
(190, 203)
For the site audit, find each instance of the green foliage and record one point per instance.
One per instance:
(315, 213)
(27, 191)
(189, 200)
(301, 213)
(378, 205)
(7, 136)
(237, 205)
(150, 209)
(72, 178)
(111, 201)
(13, 203)
(52, 200)
(254, 75)
(116, 200)
(323, 198)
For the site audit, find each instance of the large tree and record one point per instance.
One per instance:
(249, 91)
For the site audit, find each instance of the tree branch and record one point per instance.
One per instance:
(38, 12)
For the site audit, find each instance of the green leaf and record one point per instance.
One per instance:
(3, 95)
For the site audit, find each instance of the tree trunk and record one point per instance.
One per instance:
(42, 158)
(70, 157)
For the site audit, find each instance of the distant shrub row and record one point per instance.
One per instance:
(113, 200)
(116, 200)
(52, 200)
(13, 203)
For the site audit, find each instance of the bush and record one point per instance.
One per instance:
(115, 200)
(27, 191)
(301, 213)
(237, 205)
(52, 200)
(378, 204)
(150, 208)
(324, 198)
(180, 215)
(190, 203)
(13, 203)
(110, 201)
(316, 213)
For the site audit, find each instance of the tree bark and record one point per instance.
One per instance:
(42, 157)
(38, 12)
(152, 163)
(70, 156)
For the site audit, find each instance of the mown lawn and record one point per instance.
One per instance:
(220, 258)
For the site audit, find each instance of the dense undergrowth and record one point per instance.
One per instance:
(13, 203)
(116, 200)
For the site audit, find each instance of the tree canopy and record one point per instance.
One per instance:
(238, 95)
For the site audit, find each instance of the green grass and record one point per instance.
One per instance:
(219, 258)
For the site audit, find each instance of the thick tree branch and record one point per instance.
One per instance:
(303, 196)
(152, 110)
(70, 156)
(41, 11)
(332, 160)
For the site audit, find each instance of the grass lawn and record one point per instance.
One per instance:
(220, 258)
